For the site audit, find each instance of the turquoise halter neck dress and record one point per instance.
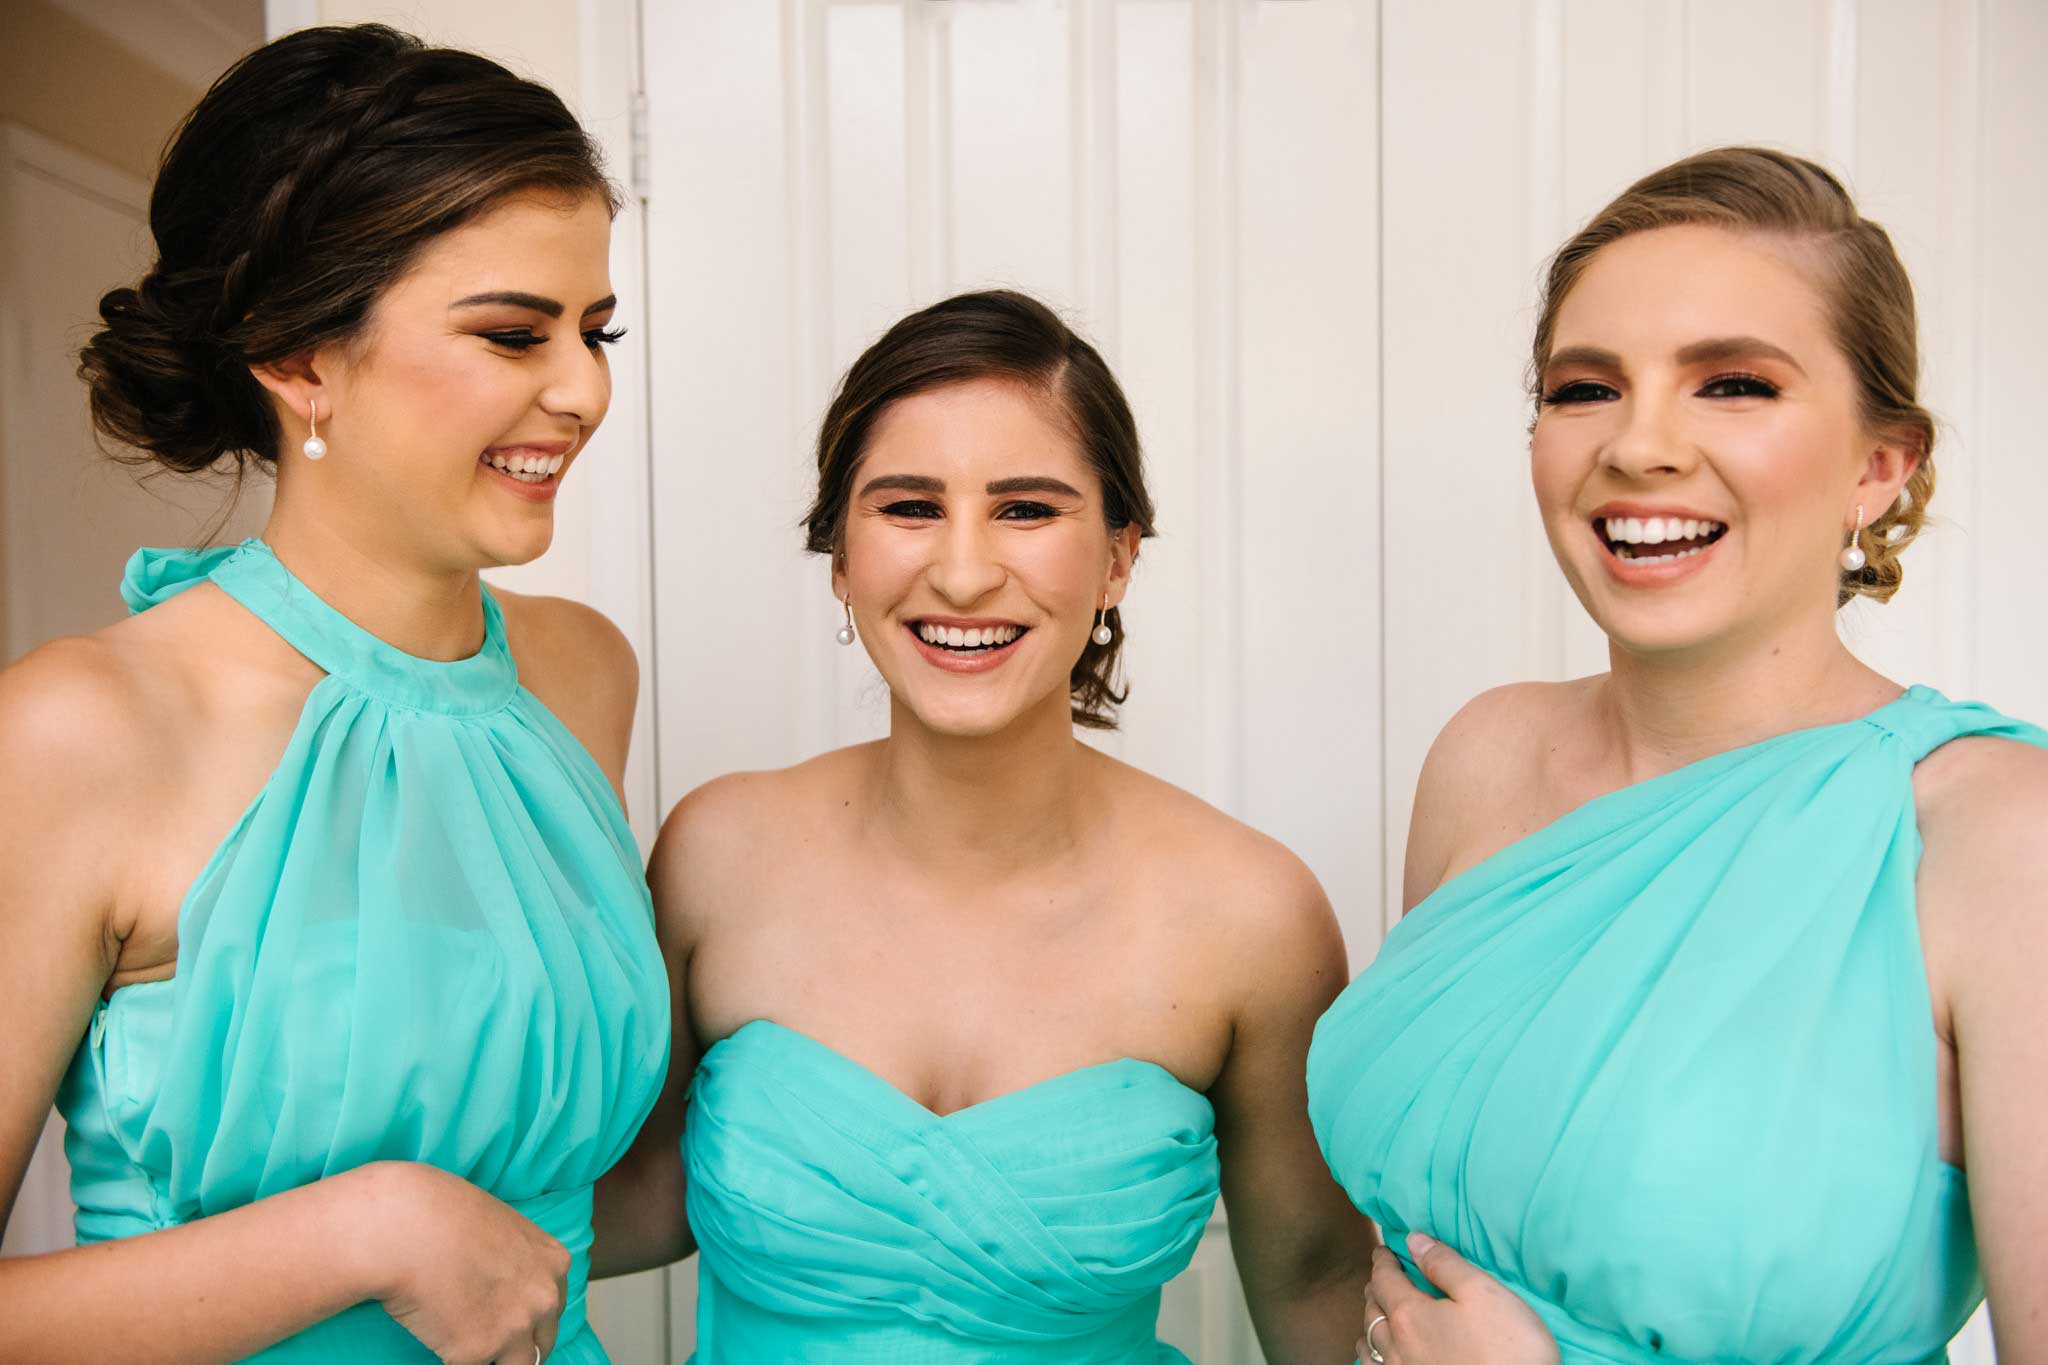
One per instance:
(1666, 1067)
(839, 1220)
(427, 939)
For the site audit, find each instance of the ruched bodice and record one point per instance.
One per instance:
(1667, 1066)
(838, 1219)
(427, 939)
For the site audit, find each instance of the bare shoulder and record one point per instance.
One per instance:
(1982, 803)
(580, 665)
(721, 839)
(556, 636)
(1502, 724)
(77, 714)
(1495, 744)
(83, 751)
(1263, 908)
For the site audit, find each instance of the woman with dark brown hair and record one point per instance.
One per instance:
(323, 924)
(978, 1019)
(1722, 967)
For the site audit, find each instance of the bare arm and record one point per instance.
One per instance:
(74, 748)
(640, 1217)
(1981, 883)
(1477, 1318)
(1301, 1248)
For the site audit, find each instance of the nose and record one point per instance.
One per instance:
(965, 571)
(1650, 442)
(578, 384)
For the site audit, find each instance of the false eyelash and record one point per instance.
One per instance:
(1557, 395)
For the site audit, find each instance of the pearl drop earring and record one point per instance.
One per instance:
(315, 448)
(1102, 634)
(845, 636)
(1853, 558)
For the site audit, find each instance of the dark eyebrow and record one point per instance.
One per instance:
(1591, 356)
(908, 483)
(1710, 351)
(539, 303)
(512, 298)
(1032, 483)
(1734, 348)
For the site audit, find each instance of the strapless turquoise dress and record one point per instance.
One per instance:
(839, 1220)
(427, 939)
(1667, 1066)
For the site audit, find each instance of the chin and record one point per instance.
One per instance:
(963, 722)
(505, 546)
(1673, 630)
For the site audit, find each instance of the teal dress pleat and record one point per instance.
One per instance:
(1666, 1067)
(839, 1220)
(427, 939)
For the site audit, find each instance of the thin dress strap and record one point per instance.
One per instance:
(1924, 720)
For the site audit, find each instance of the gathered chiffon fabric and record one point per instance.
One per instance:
(427, 939)
(839, 1220)
(1666, 1067)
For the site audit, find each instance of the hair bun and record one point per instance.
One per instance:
(160, 384)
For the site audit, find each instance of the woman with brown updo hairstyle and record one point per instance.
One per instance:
(974, 1020)
(324, 928)
(1715, 1030)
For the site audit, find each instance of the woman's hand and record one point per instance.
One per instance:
(1477, 1319)
(474, 1280)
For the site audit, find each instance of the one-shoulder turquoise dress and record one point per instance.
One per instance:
(427, 939)
(839, 1220)
(1666, 1067)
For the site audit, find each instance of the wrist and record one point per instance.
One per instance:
(366, 1216)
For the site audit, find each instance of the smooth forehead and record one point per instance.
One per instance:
(548, 244)
(976, 430)
(1652, 293)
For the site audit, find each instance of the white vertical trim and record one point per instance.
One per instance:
(1218, 439)
(288, 16)
(1548, 598)
(1093, 65)
(1961, 562)
(1839, 81)
(620, 556)
(807, 131)
(928, 149)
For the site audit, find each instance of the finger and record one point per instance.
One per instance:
(1390, 1287)
(1445, 1268)
(1379, 1334)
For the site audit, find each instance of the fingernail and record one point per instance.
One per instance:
(1421, 1243)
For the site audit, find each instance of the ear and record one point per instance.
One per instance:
(1891, 462)
(296, 383)
(839, 569)
(1123, 556)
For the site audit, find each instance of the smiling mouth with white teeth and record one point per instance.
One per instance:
(1657, 540)
(974, 640)
(525, 468)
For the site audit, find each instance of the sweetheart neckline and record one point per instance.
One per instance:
(883, 1083)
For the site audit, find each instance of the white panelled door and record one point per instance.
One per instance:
(1306, 234)
(1193, 185)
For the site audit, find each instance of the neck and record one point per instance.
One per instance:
(1664, 711)
(428, 613)
(982, 805)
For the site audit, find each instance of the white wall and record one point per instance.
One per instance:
(1307, 234)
